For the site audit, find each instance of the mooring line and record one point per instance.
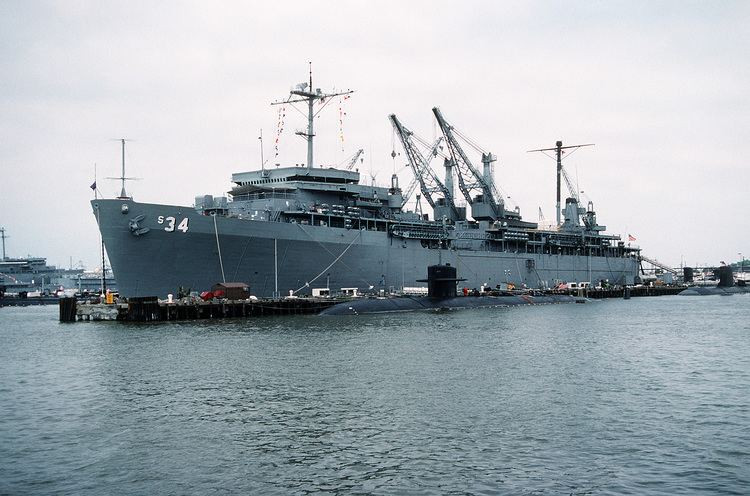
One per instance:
(218, 247)
(241, 257)
(357, 271)
(329, 265)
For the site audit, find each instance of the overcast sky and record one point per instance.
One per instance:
(661, 88)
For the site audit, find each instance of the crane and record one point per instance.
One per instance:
(429, 183)
(571, 188)
(409, 191)
(354, 158)
(470, 181)
(415, 182)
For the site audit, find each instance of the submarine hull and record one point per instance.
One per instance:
(421, 303)
(705, 291)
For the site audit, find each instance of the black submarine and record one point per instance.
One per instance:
(725, 287)
(441, 295)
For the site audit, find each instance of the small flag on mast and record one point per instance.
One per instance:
(93, 186)
(631, 237)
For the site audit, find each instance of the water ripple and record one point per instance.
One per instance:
(647, 396)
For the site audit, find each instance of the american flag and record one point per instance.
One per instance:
(631, 237)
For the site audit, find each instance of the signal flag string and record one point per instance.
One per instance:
(279, 130)
(342, 114)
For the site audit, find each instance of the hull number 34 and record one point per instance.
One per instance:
(170, 223)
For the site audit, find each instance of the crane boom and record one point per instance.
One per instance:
(470, 181)
(571, 189)
(354, 159)
(414, 182)
(429, 183)
(409, 191)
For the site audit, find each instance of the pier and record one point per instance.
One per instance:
(150, 309)
(620, 292)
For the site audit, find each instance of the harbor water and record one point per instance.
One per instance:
(644, 396)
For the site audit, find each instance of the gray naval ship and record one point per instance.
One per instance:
(292, 230)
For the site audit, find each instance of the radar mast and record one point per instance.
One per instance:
(122, 178)
(304, 92)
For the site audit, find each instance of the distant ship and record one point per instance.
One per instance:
(32, 275)
(290, 230)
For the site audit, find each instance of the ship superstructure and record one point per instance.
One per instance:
(33, 274)
(289, 230)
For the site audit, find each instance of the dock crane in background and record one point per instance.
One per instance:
(478, 189)
(429, 183)
(354, 158)
(558, 149)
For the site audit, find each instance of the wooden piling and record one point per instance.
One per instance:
(67, 309)
(143, 309)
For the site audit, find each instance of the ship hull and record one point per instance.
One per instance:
(156, 249)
